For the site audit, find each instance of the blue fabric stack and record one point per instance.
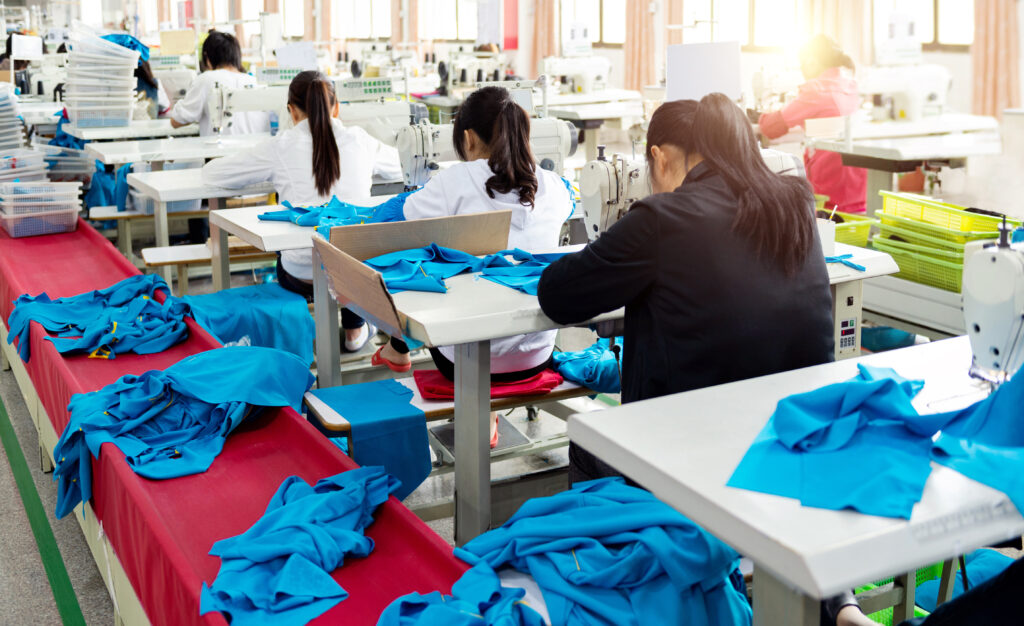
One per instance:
(121, 318)
(426, 269)
(595, 367)
(266, 315)
(279, 571)
(338, 213)
(602, 553)
(174, 422)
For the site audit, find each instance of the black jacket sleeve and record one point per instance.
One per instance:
(604, 276)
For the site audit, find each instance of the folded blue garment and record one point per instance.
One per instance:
(174, 422)
(121, 318)
(101, 188)
(127, 41)
(982, 565)
(607, 553)
(279, 571)
(266, 315)
(338, 213)
(477, 598)
(62, 139)
(426, 269)
(595, 367)
(387, 430)
(862, 445)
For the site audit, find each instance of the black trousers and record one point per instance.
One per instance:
(996, 601)
(349, 320)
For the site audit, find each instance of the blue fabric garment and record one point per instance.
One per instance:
(387, 430)
(982, 565)
(121, 318)
(62, 138)
(279, 571)
(861, 445)
(477, 599)
(152, 92)
(101, 188)
(607, 553)
(121, 187)
(265, 315)
(173, 422)
(426, 269)
(338, 213)
(845, 260)
(127, 41)
(595, 367)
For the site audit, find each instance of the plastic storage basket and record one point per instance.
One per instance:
(937, 232)
(148, 205)
(25, 198)
(48, 223)
(923, 575)
(924, 269)
(899, 233)
(100, 116)
(854, 230)
(20, 159)
(929, 211)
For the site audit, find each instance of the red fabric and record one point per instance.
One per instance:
(434, 386)
(163, 530)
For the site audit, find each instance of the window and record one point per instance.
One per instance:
(293, 17)
(351, 20)
(149, 20)
(605, 20)
(939, 24)
(451, 20)
(251, 10)
(774, 23)
(221, 13)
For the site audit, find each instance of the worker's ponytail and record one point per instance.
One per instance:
(505, 127)
(313, 94)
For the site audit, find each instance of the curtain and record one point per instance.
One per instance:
(641, 60)
(848, 22)
(995, 57)
(545, 34)
(412, 19)
(674, 17)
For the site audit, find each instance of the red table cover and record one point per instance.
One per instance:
(162, 530)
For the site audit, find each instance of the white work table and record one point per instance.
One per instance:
(685, 447)
(137, 129)
(177, 185)
(171, 149)
(943, 124)
(40, 113)
(590, 110)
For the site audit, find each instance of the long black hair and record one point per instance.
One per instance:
(775, 212)
(824, 50)
(313, 94)
(221, 49)
(504, 126)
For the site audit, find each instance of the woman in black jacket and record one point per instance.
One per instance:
(721, 270)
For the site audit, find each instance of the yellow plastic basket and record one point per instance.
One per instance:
(854, 230)
(929, 211)
(924, 269)
(898, 233)
(930, 230)
(936, 253)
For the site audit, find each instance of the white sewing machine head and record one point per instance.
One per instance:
(578, 74)
(915, 90)
(993, 291)
(423, 147)
(465, 69)
(609, 188)
(225, 102)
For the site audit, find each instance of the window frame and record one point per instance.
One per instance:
(600, 44)
(457, 33)
(935, 45)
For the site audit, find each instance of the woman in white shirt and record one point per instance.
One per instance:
(308, 164)
(222, 63)
(492, 137)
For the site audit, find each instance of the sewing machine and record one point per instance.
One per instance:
(609, 187)
(224, 102)
(906, 92)
(578, 74)
(45, 76)
(993, 292)
(465, 69)
(423, 147)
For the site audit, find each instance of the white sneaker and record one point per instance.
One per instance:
(367, 331)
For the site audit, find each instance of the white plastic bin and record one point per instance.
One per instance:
(48, 223)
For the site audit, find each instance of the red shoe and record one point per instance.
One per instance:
(377, 360)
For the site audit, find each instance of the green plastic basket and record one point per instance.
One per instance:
(935, 253)
(936, 232)
(899, 233)
(854, 230)
(923, 575)
(924, 269)
(930, 211)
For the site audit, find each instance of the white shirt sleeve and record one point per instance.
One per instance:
(189, 109)
(431, 201)
(243, 168)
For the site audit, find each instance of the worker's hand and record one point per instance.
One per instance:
(753, 116)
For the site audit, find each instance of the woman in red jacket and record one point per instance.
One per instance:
(830, 91)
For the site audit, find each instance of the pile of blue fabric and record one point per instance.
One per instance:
(862, 445)
(338, 213)
(266, 315)
(173, 422)
(595, 367)
(426, 269)
(108, 188)
(64, 140)
(124, 317)
(602, 553)
(279, 571)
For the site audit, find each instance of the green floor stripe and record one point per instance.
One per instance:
(60, 583)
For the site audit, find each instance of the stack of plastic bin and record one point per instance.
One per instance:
(22, 165)
(67, 164)
(28, 209)
(100, 90)
(12, 130)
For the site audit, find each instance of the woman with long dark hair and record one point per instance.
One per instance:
(720, 270)
(492, 137)
(308, 164)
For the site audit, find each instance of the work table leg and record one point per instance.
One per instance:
(778, 604)
(877, 181)
(325, 316)
(163, 237)
(472, 440)
(220, 257)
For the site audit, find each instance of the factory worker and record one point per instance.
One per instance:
(308, 164)
(150, 85)
(222, 64)
(498, 173)
(720, 270)
(830, 91)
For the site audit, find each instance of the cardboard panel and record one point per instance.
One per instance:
(476, 233)
(355, 282)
